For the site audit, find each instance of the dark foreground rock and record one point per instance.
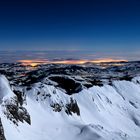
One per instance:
(2, 137)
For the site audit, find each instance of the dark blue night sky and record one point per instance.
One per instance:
(76, 28)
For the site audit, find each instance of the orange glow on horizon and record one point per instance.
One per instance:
(35, 62)
(107, 60)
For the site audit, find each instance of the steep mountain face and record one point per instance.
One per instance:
(69, 106)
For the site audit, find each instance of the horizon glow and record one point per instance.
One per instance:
(35, 62)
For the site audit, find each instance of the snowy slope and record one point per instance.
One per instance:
(110, 112)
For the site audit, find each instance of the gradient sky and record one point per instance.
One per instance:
(73, 28)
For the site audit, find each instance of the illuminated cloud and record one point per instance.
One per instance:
(36, 62)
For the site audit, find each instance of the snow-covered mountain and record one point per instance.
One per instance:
(70, 102)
